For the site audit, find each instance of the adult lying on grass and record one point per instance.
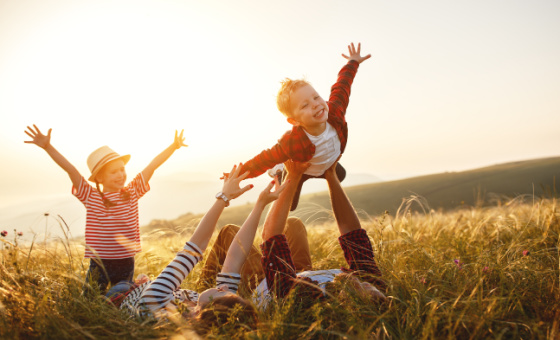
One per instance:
(215, 305)
(284, 238)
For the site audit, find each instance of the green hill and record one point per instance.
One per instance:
(450, 190)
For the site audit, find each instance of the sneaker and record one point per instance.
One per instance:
(277, 171)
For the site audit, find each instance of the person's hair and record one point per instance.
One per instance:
(107, 202)
(230, 311)
(306, 293)
(287, 88)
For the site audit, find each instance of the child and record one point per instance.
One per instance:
(319, 132)
(112, 225)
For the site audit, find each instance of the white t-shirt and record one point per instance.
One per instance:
(261, 295)
(327, 150)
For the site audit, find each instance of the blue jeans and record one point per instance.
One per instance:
(104, 272)
(120, 288)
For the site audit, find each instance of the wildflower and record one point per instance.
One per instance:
(4, 233)
(20, 233)
(485, 269)
(458, 263)
(423, 280)
(526, 252)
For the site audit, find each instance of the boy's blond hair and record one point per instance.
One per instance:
(288, 87)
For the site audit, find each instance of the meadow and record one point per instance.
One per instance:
(479, 272)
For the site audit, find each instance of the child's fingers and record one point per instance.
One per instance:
(29, 129)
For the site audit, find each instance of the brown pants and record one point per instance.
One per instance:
(251, 271)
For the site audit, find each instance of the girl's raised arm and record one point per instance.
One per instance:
(178, 142)
(44, 142)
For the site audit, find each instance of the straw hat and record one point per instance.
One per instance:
(100, 157)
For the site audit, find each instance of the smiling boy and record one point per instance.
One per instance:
(319, 133)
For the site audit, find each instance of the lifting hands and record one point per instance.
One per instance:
(354, 54)
(231, 186)
(267, 196)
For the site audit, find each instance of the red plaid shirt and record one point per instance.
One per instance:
(358, 253)
(295, 144)
(279, 269)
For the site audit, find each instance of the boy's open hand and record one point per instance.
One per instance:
(179, 140)
(354, 54)
(39, 139)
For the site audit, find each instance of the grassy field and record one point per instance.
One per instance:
(481, 272)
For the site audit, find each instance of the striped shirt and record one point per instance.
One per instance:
(163, 294)
(114, 232)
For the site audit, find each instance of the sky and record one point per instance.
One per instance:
(450, 86)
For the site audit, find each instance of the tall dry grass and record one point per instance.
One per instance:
(480, 273)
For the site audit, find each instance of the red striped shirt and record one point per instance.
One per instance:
(114, 232)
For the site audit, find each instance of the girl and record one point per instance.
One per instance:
(112, 225)
(215, 305)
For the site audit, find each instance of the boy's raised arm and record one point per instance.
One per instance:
(265, 160)
(44, 142)
(354, 54)
(178, 142)
(340, 91)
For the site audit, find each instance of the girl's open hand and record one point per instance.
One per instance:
(179, 140)
(231, 186)
(354, 54)
(37, 137)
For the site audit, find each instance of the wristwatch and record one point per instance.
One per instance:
(224, 197)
